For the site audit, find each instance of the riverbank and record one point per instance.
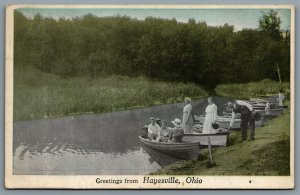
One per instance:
(42, 95)
(252, 89)
(268, 154)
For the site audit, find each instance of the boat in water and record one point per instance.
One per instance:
(161, 158)
(215, 139)
(182, 151)
(259, 100)
(224, 122)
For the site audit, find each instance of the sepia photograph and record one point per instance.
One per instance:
(149, 97)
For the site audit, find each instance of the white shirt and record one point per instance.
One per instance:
(245, 103)
(153, 129)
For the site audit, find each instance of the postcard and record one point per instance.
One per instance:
(149, 96)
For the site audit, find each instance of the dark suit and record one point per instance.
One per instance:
(246, 118)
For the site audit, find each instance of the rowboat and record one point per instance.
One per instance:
(224, 122)
(229, 114)
(258, 100)
(217, 139)
(271, 112)
(159, 157)
(182, 151)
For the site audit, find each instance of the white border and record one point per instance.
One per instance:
(84, 182)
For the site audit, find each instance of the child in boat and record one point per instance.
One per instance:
(164, 132)
(176, 133)
(153, 130)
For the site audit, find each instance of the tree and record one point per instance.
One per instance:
(269, 23)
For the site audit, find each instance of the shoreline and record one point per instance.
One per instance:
(268, 154)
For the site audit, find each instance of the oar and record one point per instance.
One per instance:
(279, 76)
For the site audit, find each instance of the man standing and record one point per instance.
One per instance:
(153, 130)
(246, 111)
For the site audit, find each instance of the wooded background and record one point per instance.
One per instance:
(160, 49)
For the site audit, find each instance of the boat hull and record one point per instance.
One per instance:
(182, 151)
(219, 139)
(225, 121)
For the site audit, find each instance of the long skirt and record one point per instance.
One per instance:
(207, 125)
(187, 123)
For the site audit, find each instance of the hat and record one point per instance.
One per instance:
(152, 118)
(215, 125)
(177, 122)
(188, 99)
(157, 119)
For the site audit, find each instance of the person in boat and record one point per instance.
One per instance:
(176, 133)
(210, 117)
(187, 118)
(247, 117)
(164, 132)
(153, 130)
(281, 98)
(158, 121)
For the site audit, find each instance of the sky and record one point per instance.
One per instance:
(239, 18)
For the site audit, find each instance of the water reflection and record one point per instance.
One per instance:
(92, 144)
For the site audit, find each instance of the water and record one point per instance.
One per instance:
(104, 144)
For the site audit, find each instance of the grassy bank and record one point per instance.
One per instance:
(42, 95)
(252, 89)
(267, 155)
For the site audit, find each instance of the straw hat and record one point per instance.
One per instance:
(177, 122)
(188, 99)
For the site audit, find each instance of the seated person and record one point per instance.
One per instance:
(158, 121)
(153, 130)
(176, 133)
(164, 132)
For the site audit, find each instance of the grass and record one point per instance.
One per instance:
(252, 89)
(41, 95)
(268, 154)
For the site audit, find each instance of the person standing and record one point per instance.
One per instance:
(187, 118)
(281, 99)
(210, 116)
(153, 130)
(246, 111)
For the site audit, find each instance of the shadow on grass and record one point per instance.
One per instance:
(262, 161)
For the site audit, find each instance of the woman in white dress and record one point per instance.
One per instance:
(187, 118)
(210, 117)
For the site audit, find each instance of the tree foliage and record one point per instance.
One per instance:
(157, 48)
(269, 23)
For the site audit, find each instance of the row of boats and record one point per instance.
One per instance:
(192, 143)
